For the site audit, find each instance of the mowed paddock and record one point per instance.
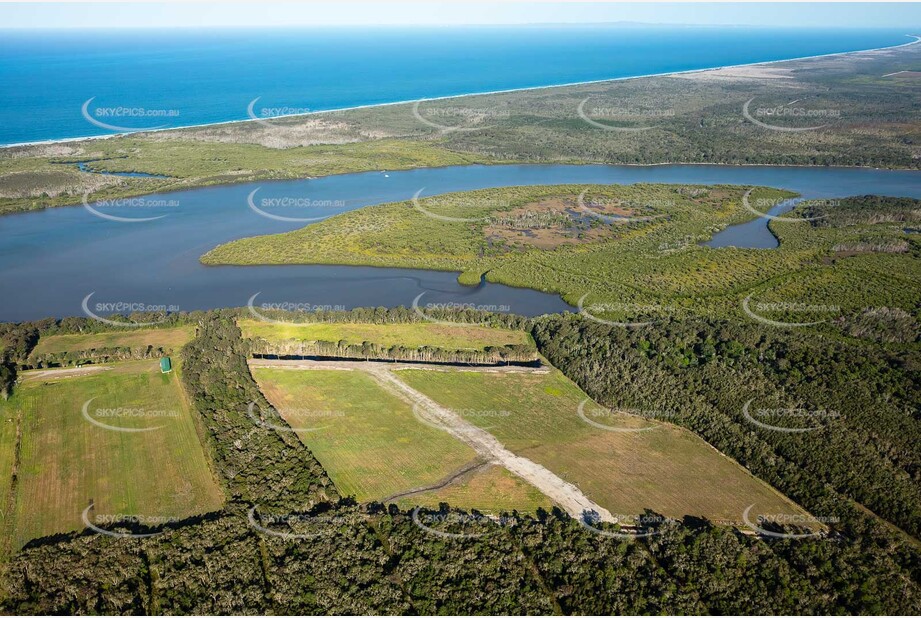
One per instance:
(664, 468)
(373, 446)
(415, 335)
(66, 460)
(482, 489)
(167, 338)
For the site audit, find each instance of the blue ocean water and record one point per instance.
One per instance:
(188, 77)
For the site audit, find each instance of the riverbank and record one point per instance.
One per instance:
(159, 260)
(693, 118)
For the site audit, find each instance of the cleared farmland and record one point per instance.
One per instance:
(9, 425)
(119, 436)
(373, 447)
(166, 338)
(662, 468)
(408, 335)
(482, 489)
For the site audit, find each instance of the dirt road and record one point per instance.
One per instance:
(565, 494)
(41, 374)
(561, 492)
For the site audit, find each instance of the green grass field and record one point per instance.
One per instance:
(166, 338)
(408, 335)
(666, 469)
(373, 447)
(9, 424)
(483, 490)
(67, 461)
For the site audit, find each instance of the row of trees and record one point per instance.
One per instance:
(368, 560)
(395, 315)
(258, 464)
(95, 355)
(491, 355)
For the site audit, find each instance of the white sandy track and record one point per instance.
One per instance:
(561, 492)
(486, 445)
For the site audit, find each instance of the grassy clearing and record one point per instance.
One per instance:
(666, 469)
(366, 439)
(166, 338)
(66, 461)
(492, 489)
(408, 335)
(373, 447)
(9, 425)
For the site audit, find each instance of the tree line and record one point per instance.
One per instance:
(314, 552)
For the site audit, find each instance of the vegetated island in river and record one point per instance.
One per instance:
(633, 253)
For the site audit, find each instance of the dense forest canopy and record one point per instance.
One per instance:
(287, 542)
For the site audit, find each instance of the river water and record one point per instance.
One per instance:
(51, 260)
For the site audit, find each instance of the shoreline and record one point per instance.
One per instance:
(170, 191)
(451, 97)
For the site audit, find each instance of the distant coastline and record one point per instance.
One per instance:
(69, 140)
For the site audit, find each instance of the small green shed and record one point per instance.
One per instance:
(166, 365)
